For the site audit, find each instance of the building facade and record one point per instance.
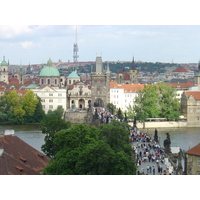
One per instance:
(193, 161)
(51, 97)
(123, 95)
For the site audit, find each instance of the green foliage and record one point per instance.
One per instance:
(146, 103)
(157, 101)
(20, 110)
(29, 103)
(111, 108)
(130, 112)
(169, 105)
(120, 114)
(49, 126)
(58, 112)
(86, 150)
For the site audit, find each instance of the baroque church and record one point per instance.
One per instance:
(123, 77)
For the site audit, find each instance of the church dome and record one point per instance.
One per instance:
(73, 75)
(4, 63)
(49, 70)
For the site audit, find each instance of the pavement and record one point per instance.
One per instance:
(154, 164)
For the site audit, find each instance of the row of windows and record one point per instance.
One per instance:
(51, 94)
(126, 95)
(48, 81)
(51, 100)
(50, 106)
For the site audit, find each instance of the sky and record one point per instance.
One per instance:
(150, 35)
(35, 44)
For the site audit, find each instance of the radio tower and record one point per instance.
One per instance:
(75, 55)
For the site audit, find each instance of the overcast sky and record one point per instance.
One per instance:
(34, 44)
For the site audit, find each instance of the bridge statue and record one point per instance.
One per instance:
(167, 143)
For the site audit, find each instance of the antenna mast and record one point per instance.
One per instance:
(75, 55)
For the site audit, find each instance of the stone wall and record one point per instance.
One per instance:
(76, 117)
(170, 124)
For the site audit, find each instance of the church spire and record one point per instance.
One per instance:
(133, 64)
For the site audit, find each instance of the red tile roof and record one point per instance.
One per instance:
(180, 69)
(195, 94)
(127, 87)
(194, 151)
(182, 85)
(19, 158)
(126, 75)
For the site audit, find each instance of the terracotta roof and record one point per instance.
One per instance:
(194, 151)
(195, 94)
(180, 69)
(182, 85)
(19, 158)
(126, 75)
(127, 87)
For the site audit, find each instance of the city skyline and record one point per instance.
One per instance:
(35, 44)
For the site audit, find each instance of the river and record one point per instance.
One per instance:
(185, 138)
(30, 134)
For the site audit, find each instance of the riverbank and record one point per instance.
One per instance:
(165, 124)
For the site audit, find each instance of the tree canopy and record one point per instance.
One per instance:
(157, 101)
(16, 109)
(86, 150)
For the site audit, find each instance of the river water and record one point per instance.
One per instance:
(31, 134)
(185, 138)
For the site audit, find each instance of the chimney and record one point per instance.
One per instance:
(9, 132)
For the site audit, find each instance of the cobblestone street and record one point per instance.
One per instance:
(150, 157)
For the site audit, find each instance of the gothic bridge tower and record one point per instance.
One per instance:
(100, 89)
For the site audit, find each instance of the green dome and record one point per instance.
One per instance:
(4, 63)
(73, 75)
(49, 70)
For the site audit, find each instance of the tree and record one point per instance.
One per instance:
(82, 151)
(119, 114)
(111, 108)
(130, 112)
(49, 126)
(147, 103)
(169, 105)
(116, 134)
(58, 112)
(29, 103)
(14, 104)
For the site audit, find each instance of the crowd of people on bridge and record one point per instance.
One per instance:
(149, 152)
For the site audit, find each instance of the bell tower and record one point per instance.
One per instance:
(133, 73)
(4, 71)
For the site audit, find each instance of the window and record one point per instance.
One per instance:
(48, 81)
(69, 82)
(50, 100)
(43, 106)
(198, 162)
(50, 94)
(55, 81)
(59, 95)
(43, 100)
(50, 106)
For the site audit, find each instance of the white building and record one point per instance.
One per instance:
(123, 95)
(51, 97)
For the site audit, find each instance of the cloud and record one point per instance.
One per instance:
(27, 44)
(13, 31)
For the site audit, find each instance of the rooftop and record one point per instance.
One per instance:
(194, 151)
